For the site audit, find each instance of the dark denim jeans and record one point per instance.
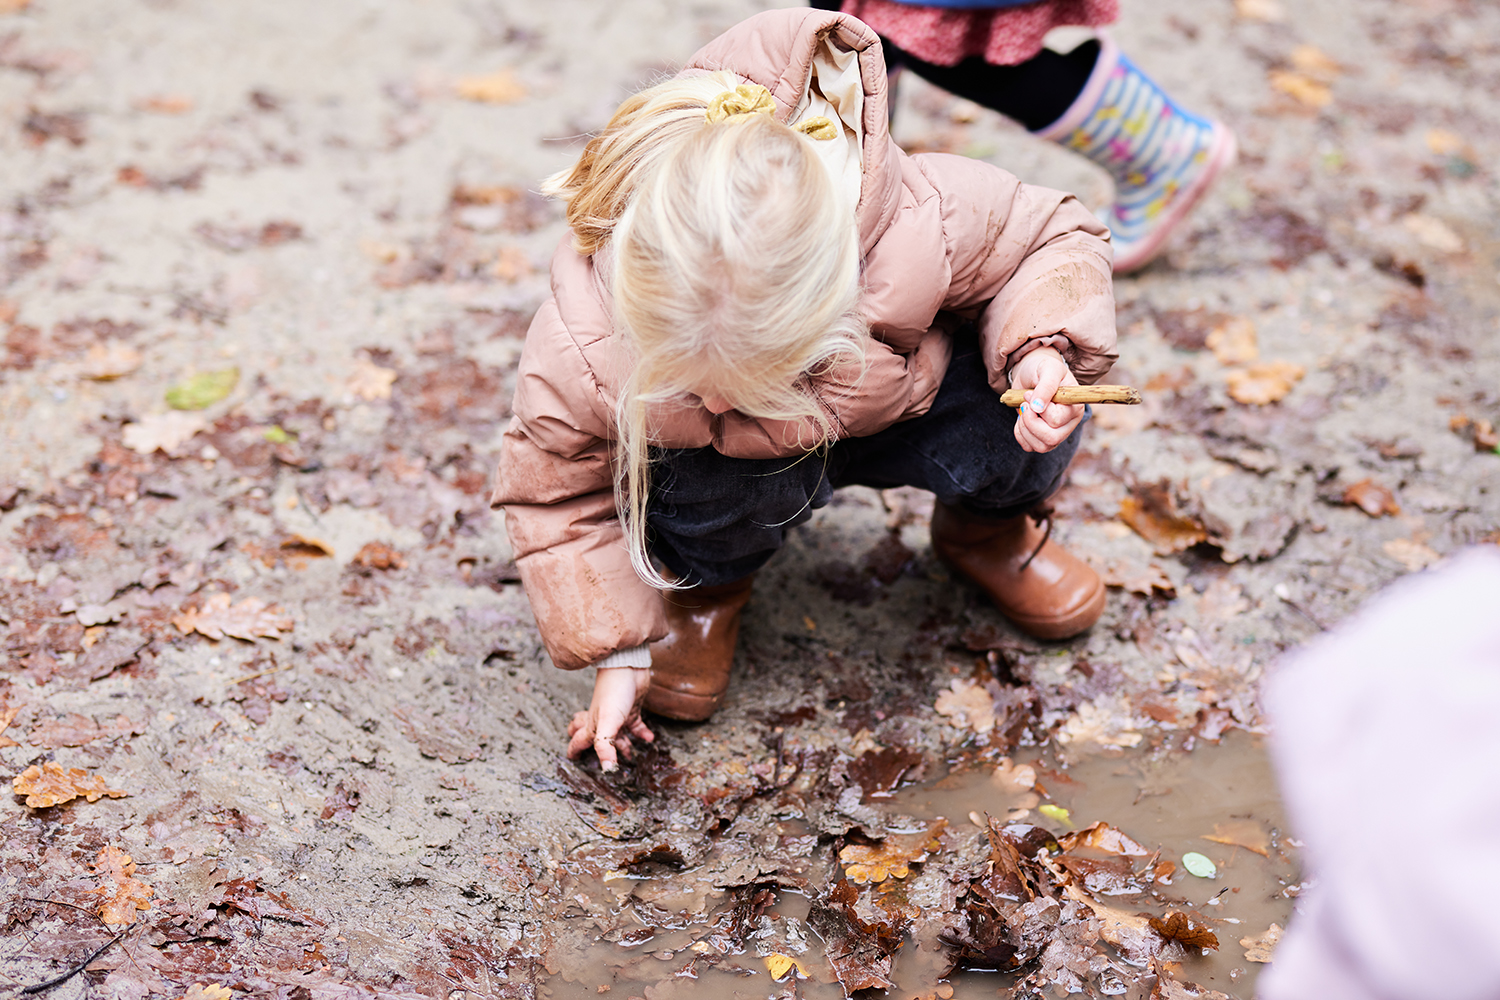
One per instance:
(714, 519)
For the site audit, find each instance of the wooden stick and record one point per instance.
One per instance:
(1068, 394)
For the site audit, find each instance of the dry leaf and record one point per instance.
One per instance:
(967, 705)
(1179, 926)
(1013, 779)
(124, 896)
(891, 857)
(1246, 833)
(1301, 88)
(378, 555)
(13, 6)
(1413, 555)
(74, 730)
(203, 390)
(311, 548)
(51, 785)
(1259, 949)
(1263, 383)
(1152, 512)
(1270, 11)
(1221, 601)
(500, 87)
(370, 381)
(778, 965)
(166, 104)
(1233, 341)
(166, 431)
(1372, 498)
(7, 716)
(249, 619)
(1433, 232)
(512, 264)
(1316, 63)
(106, 362)
(1138, 579)
(1446, 143)
(1092, 724)
(1128, 932)
(1103, 837)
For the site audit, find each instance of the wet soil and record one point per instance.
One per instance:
(358, 789)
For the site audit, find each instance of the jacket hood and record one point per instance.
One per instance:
(782, 50)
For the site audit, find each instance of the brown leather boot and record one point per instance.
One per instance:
(690, 667)
(1047, 592)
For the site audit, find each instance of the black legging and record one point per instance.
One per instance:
(1034, 93)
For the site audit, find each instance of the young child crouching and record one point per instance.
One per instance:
(764, 299)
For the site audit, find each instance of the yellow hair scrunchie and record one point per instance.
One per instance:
(753, 99)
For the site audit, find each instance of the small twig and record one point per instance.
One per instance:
(58, 902)
(1303, 612)
(59, 980)
(272, 670)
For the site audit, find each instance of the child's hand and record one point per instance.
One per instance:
(1040, 373)
(618, 693)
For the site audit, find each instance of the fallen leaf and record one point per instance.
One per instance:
(511, 265)
(1233, 341)
(1259, 949)
(311, 548)
(106, 362)
(500, 87)
(1199, 865)
(967, 705)
(1372, 498)
(164, 431)
(1128, 932)
(166, 104)
(249, 619)
(1270, 11)
(1152, 512)
(1179, 926)
(1136, 578)
(1263, 383)
(74, 730)
(1433, 232)
(778, 965)
(7, 716)
(1301, 88)
(1246, 833)
(891, 857)
(124, 895)
(1055, 813)
(1013, 779)
(378, 555)
(51, 784)
(203, 390)
(370, 382)
(1222, 601)
(1103, 837)
(1413, 555)
(1315, 63)
(1445, 143)
(1093, 724)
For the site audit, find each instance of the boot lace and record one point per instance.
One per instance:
(1040, 514)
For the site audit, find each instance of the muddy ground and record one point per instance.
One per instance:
(287, 629)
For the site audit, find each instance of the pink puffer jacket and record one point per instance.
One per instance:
(944, 239)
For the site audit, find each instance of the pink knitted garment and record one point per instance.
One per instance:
(1004, 37)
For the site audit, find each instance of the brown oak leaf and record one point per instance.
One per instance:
(892, 857)
(1260, 949)
(52, 784)
(1103, 837)
(378, 555)
(1179, 926)
(1372, 498)
(74, 730)
(124, 895)
(250, 619)
(1246, 833)
(1152, 512)
(7, 716)
(1267, 382)
(967, 705)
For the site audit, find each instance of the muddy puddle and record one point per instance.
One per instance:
(655, 931)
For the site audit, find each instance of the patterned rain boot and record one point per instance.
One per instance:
(1162, 158)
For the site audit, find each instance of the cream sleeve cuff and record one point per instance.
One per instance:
(638, 657)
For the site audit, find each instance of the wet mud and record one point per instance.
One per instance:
(270, 688)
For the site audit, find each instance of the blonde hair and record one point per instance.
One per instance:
(735, 272)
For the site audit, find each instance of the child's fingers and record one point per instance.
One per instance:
(640, 731)
(605, 748)
(580, 733)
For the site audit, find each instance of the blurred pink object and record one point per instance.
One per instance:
(1387, 743)
(1003, 36)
